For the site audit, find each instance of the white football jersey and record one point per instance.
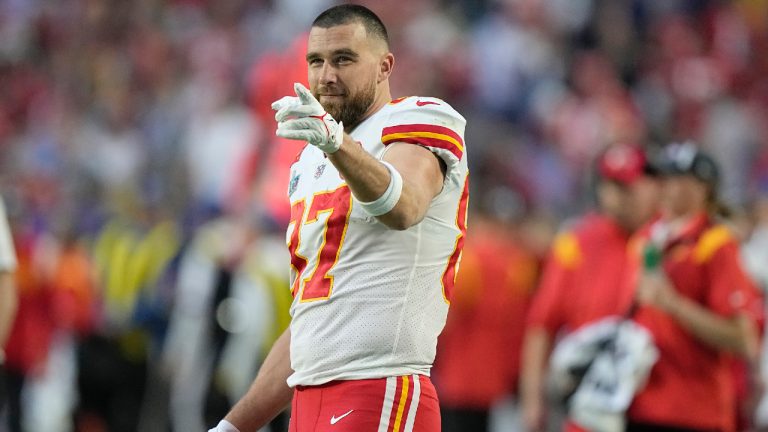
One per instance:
(370, 301)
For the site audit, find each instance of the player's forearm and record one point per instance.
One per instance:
(737, 335)
(368, 179)
(8, 305)
(535, 356)
(269, 394)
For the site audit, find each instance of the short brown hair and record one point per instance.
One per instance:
(345, 14)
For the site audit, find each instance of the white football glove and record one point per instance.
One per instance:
(301, 117)
(224, 426)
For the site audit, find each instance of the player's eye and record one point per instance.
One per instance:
(343, 60)
(315, 62)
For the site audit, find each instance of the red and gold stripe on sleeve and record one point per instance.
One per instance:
(426, 135)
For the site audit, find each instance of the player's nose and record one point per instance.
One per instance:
(328, 74)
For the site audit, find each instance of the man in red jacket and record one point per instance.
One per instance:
(583, 278)
(699, 304)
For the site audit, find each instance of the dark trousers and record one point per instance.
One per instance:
(11, 384)
(464, 420)
(647, 427)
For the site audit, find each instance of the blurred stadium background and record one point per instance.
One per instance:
(146, 188)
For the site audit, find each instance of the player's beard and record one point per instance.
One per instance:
(352, 108)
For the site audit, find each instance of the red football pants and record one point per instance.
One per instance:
(395, 404)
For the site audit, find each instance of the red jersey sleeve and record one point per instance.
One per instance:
(432, 124)
(730, 288)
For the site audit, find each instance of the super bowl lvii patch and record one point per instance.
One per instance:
(293, 184)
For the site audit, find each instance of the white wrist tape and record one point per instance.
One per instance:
(224, 426)
(389, 198)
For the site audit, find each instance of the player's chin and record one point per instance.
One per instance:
(332, 107)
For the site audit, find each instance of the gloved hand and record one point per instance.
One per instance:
(224, 426)
(301, 117)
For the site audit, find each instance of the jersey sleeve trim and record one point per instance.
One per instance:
(426, 135)
(566, 250)
(711, 241)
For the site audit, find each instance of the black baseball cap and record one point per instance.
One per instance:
(687, 158)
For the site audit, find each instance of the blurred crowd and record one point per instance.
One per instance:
(146, 190)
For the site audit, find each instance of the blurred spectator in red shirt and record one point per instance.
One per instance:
(477, 360)
(582, 279)
(273, 73)
(29, 340)
(699, 304)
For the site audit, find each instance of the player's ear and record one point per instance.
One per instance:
(386, 64)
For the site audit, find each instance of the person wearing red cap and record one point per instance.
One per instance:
(697, 301)
(581, 281)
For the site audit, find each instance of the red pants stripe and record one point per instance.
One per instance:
(395, 404)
